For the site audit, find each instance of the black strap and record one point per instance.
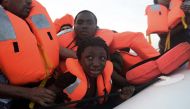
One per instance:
(71, 43)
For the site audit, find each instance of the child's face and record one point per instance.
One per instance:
(93, 60)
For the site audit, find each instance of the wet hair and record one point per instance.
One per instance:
(86, 11)
(91, 42)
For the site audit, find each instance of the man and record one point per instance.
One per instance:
(85, 25)
(178, 34)
(25, 42)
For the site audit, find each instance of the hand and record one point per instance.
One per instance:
(42, 96)
(127, 92)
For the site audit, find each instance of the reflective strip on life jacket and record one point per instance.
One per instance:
(6, 29)
(157, 19)
(64, 32)
(77, 92)
(40, 21)
(73, 86)
(44, 31)
(18, 55)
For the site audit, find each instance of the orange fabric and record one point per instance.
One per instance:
(67, 40)
(135, 41)
(46, 37)
(174, 58)
(65, 20)
(19, 66)
(157, 16)
(129, 59)
(175, 14)
(165, 64)
(143, 73)
(75, 68)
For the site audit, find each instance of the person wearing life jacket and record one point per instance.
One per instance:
(63, 23)
(178, 33)
(29, 52)
(85, 25)
(89, 76)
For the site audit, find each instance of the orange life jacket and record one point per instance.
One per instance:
(43, 28)
(129, 59)
(20, 59)
(175, 14)
(115, 41)
(165, 64)
(134, 40)
(67, 40)
(78, 89)
(65, 20)
(157, 19)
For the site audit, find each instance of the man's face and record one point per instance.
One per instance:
(85, 25)
(93, 60)
(20, 8)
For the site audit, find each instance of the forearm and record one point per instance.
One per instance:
(10, 91)
(118, 80)
(67, 53)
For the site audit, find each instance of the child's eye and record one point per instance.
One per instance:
(90, 57)
(103, 58)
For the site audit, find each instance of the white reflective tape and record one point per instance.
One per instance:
(6, 29)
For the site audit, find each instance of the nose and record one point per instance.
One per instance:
(96, 63)
(84, 26)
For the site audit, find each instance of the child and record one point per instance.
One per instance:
(89, 76)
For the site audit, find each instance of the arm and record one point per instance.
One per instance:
(66, 53)
(118, 80)
(63, 81)
(136, 41)
(39, 95)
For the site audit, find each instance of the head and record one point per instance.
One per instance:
(92, 54)
(162, 2)
(20, 8)
(85, 24)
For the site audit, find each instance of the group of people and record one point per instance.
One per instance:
(83, 68)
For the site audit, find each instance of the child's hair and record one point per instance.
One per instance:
(87, 11)
(91, 41)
